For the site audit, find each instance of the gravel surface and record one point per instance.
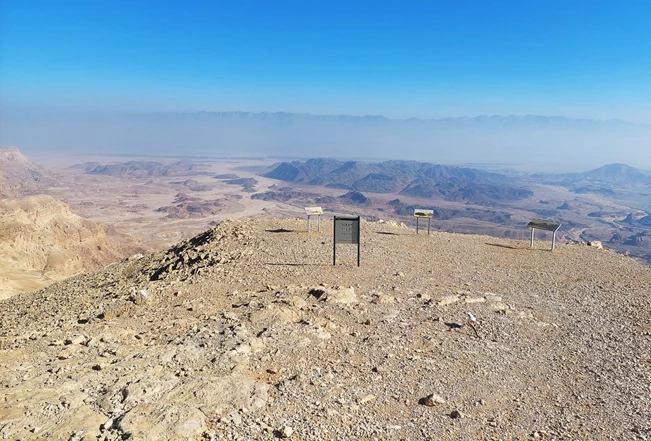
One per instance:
(248, 331)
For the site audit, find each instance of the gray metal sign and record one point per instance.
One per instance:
(346, 230)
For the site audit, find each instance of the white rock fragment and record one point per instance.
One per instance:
(286, 432)
(76, 340)
(108, 425)
(448, 300)
(341, 295)
(432, 400)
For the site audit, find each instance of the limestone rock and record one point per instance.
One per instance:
(342, 295)
(596, 244)
(286, 432)
(432, 400)
(448, 300)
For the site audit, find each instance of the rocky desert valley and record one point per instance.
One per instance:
(185, 299)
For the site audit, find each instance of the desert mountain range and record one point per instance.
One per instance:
(405, 177)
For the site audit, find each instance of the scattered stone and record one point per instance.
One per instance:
(596, 244)
(499, 307)
(286, 432)
(492, 297)
(448, 300)
(471, 300)
(108, 425)
(341, 295)
(455, 414)
(76, 340)
(383, 299)
(432, 400)
(296, 302)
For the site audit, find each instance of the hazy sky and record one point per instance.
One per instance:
(576, 58)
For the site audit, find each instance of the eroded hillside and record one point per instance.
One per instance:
(248, 331)
(19, 177)
(41, 241)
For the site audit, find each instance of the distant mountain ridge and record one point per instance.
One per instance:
(480, 120)
(618, 172)
(142, 168)
(606, 178)
(418, 179)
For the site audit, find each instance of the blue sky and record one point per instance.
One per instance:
(574, 58)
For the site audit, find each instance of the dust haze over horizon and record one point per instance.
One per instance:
(300, 81)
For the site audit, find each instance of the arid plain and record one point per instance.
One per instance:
(147, 204)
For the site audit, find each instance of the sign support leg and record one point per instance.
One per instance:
(416, 225)
(308, 223)
(429, 222)
(334, 243)
(358, 253)
(532, 230)
(318, 223)
(553, 240)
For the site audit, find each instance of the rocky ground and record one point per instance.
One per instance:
(248, 331)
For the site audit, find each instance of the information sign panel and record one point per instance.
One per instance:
(346, 230)
(423, 213)
(546, 225)
(314, 211)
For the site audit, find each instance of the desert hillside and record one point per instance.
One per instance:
(19, 177)
(41, 241)
(248, 331)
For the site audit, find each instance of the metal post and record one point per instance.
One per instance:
(318, 222)
(308, 223)
(416, 225)
(429, 221)
(554, 240)
(532, 232)
(334, 243)
(359, 233)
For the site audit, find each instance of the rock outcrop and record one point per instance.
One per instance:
(41, 241)
(19, 177)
